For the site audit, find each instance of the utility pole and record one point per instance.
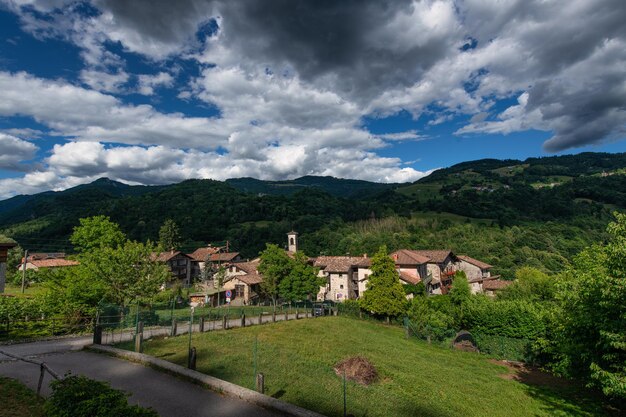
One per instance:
(24, 270)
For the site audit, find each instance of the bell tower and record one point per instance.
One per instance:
(292, 241)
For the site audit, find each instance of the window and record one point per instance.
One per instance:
(239, 290)
(341, 287)
(340, 275)
(291, 241)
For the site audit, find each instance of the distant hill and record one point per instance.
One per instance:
(550, 188)
(334, 186)
(580, 189)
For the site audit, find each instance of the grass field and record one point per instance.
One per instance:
(30, 291)
(18, 400)
(297, 358)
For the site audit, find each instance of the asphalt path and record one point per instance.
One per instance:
(168, 395)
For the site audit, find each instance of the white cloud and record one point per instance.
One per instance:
(13, 151)
(147, 83)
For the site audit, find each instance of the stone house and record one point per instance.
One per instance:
(243, 280)
(440, 268)
(214, 255)
(477, 272)
(343, 281)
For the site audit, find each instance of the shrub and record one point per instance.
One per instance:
(78, 396)
(517, 319)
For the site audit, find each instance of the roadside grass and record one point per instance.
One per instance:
(415, 378)
(30, 291)
(214, 313)
(18, 400)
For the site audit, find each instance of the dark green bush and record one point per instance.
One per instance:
(516, 318)
(504, 347)
(78, 396)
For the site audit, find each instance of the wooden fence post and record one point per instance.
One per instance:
(97, 334)
(139, 337)
(201, 324)
(260, 383)
(224, 323)
(243, 320)
(174, 327)
(261, 317)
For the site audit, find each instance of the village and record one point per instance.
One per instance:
(346, 276)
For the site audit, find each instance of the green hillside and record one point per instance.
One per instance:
(557, 204)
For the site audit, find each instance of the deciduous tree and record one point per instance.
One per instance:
(275, 266)
(301, 282)
(96, 232)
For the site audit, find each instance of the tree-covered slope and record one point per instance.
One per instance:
(575, 194)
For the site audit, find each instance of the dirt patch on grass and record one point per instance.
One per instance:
(532, 375)
(358, 369)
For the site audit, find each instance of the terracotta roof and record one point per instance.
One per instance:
(437, 256)
(409, 277)
(223, 257)
(496, 284)
(409, 257)
(249, 279)
(201, 254)
(166, 256)
(475, 262)
(337, 263)
(53, 263)
(248, 267)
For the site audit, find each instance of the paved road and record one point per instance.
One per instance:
(169, 396)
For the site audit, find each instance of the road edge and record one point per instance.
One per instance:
(214, 384)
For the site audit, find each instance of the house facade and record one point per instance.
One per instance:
(179, 264)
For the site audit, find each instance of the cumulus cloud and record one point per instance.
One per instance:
(13, 151)
(147, 83)
(293, 79)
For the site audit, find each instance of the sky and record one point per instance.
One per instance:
(158, 91)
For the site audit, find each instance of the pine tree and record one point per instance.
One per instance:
(385, 295)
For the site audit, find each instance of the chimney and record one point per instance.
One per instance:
(365, 255)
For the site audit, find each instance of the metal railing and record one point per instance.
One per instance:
(43, 368)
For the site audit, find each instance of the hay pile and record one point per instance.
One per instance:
(358, 369)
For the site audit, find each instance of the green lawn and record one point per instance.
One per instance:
(297, 358)
(30, 291)
(18, 400)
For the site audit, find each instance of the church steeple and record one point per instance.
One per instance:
(292, 241)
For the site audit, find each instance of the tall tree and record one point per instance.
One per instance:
(385, 295)
(169, 235)
(129, 272)
(275, 266)
(96, 232)
(591, 329)
(301, 282)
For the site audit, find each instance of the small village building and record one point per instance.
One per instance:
(440, 268)
(38, 264)
(477, 272)
(37, 261)
(493, 286)
(342, 276)
(179, 264)
(213, 255)
(243, 280)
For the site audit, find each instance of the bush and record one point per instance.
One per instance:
(517, 319)
(78, 396)
(502, 347)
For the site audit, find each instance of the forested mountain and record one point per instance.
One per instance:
(540, 211)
